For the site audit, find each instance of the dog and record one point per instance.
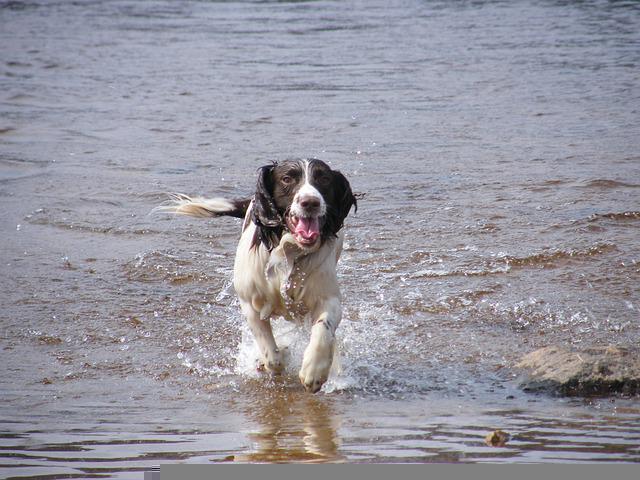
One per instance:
(287, 255)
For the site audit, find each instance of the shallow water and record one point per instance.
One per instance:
(496, 145)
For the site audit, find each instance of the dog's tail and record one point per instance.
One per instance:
(204, 207)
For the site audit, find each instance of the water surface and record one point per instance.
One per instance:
(496, 145)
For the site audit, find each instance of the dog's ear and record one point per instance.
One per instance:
(265, 213)
(340, 205)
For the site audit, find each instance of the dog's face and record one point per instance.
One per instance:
(306, 197)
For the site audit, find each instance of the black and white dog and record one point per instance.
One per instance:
(286, 259)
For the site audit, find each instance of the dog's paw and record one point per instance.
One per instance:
(312, 384)
(315, 370)
(274, 362)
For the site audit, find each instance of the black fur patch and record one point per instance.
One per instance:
(276, 187)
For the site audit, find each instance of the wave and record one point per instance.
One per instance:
(503, 263)
(464, 272)
(162, 266)
(551, 258)
(617, 216)
(605, 183)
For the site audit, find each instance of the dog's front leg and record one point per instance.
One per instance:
(318, 356)
(271, 356)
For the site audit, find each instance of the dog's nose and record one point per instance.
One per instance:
(309, 203)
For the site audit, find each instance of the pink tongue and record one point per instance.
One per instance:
(308, 228)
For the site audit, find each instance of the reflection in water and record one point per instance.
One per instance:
(293, 426)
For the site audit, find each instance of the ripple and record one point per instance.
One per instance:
(617, 216)
(165, 266)
(609, 184)
(554, 257)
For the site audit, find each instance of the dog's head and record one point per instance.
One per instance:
(305, 197)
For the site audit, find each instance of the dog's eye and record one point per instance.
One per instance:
(287, 180)
(324, 180)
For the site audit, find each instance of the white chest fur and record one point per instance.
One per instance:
(290, 280)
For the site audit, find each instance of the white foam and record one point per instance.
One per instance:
(360, 362)
(293, 339)
(290, 337)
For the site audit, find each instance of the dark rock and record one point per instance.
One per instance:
(597, 371)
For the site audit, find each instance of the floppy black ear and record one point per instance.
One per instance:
(340, 205)
(265, 213)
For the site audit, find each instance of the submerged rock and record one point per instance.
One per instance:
(594, 371)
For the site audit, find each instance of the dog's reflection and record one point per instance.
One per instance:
(293, 426)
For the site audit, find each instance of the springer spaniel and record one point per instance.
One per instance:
(286, 259)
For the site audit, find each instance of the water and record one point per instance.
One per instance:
(497, 147)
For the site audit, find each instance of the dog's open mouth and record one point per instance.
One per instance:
(306, 230)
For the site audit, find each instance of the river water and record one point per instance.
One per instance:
(497, 147)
